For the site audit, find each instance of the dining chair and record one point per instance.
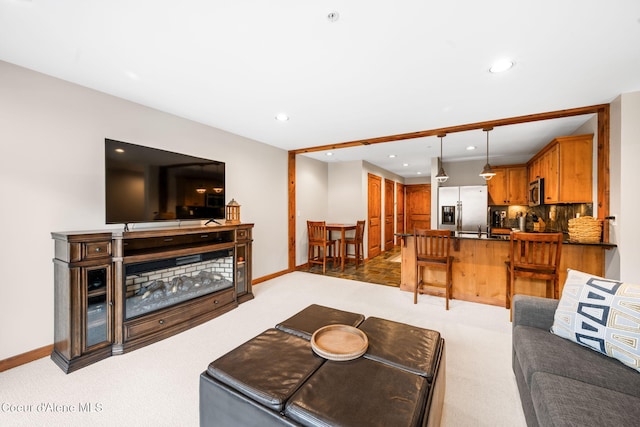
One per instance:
(534, 256)
(320, 246)
(357, 241)
(432, 248)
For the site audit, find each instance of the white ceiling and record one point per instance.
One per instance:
(382, 68)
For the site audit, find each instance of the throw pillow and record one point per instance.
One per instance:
(601, 314)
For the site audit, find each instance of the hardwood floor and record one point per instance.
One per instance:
(378, 270)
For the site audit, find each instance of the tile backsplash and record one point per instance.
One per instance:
(556, 217)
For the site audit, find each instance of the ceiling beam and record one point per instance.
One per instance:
(594, 109)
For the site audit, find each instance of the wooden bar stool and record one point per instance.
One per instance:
(357, 241)
(432, 252)
(535, 256)
(318, 239)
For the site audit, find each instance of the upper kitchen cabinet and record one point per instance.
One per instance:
(566, 164)
(509, 186)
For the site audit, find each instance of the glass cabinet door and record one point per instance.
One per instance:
(97, 316)
(241, 270)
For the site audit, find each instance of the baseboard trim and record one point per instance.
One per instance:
(24, 358)
(39, 353)
(270, 276)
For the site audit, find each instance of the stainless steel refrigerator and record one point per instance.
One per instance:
(463, 209)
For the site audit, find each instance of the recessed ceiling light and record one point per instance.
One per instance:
(419, 173)
(501, 65)
(471, 148)
(392, 156)
(282, 117)
(329, 153)
(132, 75)
(405, 164)
(119, 150)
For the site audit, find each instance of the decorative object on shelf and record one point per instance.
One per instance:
(233, 212)
(487, 173)
(442, 175)
(585, 229)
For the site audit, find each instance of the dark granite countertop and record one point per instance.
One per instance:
(505, 237)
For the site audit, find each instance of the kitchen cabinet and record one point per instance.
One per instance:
(508, 186)
(566, 164)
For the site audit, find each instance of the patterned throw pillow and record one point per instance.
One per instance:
(601, 314)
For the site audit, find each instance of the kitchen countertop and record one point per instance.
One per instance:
(484, 236)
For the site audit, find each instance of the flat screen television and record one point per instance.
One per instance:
(144, 184)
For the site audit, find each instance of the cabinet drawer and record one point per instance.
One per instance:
(92, 250)
(243, 234)
(172, 316)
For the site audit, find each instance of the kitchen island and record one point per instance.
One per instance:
(479, 272)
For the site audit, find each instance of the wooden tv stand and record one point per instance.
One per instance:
(116, 291)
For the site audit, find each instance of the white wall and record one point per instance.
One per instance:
(312, 198)
(347, 198)
(52, 179)
(625, 175)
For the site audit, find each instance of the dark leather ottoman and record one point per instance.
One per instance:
(360, 392)
(306, 322)
(276, 379)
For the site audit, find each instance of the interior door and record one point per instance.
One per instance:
(389, 188)
(418, 206)
(399, 210)
(374, 197)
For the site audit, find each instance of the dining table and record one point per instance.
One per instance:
(342, 228)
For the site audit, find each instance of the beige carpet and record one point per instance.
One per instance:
(158, 384)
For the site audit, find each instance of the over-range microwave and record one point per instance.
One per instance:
(536, 192)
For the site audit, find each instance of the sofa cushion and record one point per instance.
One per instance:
(540, 351)
(561, 401)
(601, 314)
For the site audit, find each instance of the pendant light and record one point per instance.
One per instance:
(487, 173)
(442, 175)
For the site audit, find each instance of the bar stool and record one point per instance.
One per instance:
(317, 233)
(357, 241)
(432, 249)
(535, 256)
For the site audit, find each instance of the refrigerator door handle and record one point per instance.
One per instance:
(459, 216)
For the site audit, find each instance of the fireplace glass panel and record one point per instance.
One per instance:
(153, 285)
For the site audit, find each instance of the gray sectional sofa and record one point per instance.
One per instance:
(562, 383)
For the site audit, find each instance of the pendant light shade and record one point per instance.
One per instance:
(442, 175)
(487, 173)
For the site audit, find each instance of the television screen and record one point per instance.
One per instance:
(146, 184)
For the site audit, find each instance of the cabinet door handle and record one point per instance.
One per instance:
(97, 249)
(215, 301)
(161, 321)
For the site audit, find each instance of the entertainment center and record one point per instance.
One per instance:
(116, 291)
